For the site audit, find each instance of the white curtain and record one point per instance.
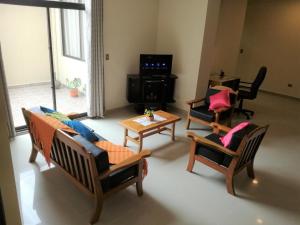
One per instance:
(72, 34)
(95, 61)
(5, 99)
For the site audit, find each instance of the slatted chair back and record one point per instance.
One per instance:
(77, 163)
(248, 148)
(72, 157)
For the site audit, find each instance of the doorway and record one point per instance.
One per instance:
(39, 49)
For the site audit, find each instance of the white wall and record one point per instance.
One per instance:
(271, 38)
(229, 34)
(24, 43)
(129, 29)
(208, 44)
(7, 179)
(180, 32)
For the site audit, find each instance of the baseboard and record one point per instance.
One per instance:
(280, 95)
(172, 108)
(117, 108)
(29, 85)
(179, 110)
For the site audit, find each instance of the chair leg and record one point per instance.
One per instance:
(230, 184)
(250, 170)
(246, 114)
(188, 123)
(98, 209)
(191, 163)
(33, 155)
(139, 183)
(244, 111)
(241, 105)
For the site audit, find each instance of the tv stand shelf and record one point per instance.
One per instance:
(150, 91)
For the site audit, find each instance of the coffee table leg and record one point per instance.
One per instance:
(141, 142)
(125, 137)
(173, 132)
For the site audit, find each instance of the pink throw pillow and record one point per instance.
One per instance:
(227, 138)
(219, 100)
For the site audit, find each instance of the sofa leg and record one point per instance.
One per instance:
(250, 170)
(139, 188)
(229, 184)
(98, 210)
(33, 155)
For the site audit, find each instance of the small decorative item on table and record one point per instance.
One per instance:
(149, 114)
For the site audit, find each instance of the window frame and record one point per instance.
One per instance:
(63, 36)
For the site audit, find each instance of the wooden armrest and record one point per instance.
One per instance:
(73, 115)
(191, 102)
(220, 127)
(212, 144)
(126, 163)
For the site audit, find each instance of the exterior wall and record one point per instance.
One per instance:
(24, 42)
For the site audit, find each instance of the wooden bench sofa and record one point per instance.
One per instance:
(90, 170)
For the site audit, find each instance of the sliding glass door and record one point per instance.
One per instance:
(26, 58)
(69, 60)
(43, 54)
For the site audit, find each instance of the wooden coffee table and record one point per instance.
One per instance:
(146, 130)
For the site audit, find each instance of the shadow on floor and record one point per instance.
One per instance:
(172, 151)
(275, 191)
(59, 198)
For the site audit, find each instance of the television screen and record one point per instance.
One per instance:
(151, 64)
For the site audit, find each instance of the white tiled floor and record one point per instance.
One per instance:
(36, 95)
(173, 196)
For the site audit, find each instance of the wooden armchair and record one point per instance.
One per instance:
(199, 112)
(229, 161)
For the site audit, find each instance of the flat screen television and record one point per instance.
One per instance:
(154, 64)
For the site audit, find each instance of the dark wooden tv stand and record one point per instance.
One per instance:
(150, 91)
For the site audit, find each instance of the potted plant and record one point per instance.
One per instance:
(150, 114)
(73, 85)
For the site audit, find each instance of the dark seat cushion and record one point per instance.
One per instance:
(118, 178)
(101, 156)
(211, 153)
(219, 157)
(203, 113)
